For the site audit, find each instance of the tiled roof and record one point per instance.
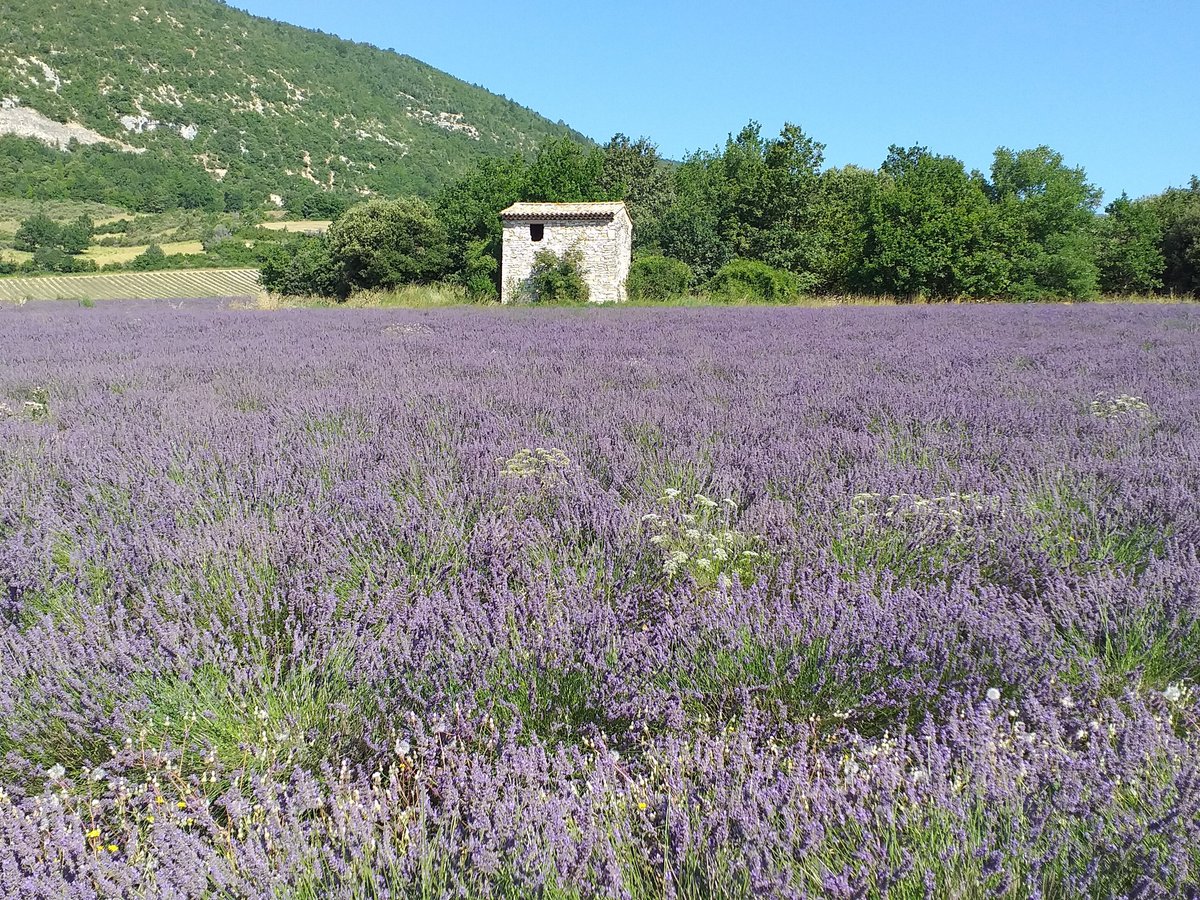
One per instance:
(562, 210)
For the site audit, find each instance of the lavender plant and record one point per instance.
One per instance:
(292, 604)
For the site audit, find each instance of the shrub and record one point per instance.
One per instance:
(38, 231)
(387, 243)
(479, 273)
(150, 258)
(53, 259)
(305, 267)
(658, 278)
(748, 279)
(556, 279)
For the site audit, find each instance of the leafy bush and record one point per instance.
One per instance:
(479, 273)
(38, 231)
(556, 279)
(305, 267)
(388, 243)
(53, 259)
(149, 259)
(748, 279)
(658, 278)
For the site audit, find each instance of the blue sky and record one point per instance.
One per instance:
(1113, 86)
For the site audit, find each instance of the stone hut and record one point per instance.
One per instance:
(602, 232)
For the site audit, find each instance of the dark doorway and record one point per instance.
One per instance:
(537, 232)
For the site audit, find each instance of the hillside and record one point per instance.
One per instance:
(259, 105)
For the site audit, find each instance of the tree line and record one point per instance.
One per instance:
(767, 211)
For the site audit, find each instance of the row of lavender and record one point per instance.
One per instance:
(713, 603)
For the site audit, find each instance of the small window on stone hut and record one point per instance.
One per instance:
(537, 232)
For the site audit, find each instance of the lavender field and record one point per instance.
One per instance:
(876, 602)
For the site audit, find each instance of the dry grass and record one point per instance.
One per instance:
(408, 297)
(301, 226)
(16, 256)
(104, 256)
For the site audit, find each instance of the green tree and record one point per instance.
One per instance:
(152, 258)
(930, 230)
(470, 210)
(633, 172)
(302, 267)
(838, 228)
(564, 171)
(1178, 212)
(75, 237)
(1129, 251)
(773, 187)
(387, 243)
(1047, 217)
(36, 232)
(691, 229)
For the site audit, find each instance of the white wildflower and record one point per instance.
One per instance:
(993, 695)
(55, 772)
(1173, 692)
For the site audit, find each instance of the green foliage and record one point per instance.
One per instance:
(147, 182)
(929, 230)
(838, 226)
(318, 205)
(36, 232)
(658, 278)
(481, 271)
(75, 237)
(54, 247)
(556, 279)
(1046, 213)
(303, 267)
(565, 171)
(749, 279)
(149, 259)
(1178, 211)
(55, 259)
(388, 243)
(633, 171)
(261, 94)
(470, 209)
(1129, 254)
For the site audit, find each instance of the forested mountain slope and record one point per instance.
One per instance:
(260, 105)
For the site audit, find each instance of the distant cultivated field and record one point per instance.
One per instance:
(103, 256)
(133, 285)
(302, 225)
